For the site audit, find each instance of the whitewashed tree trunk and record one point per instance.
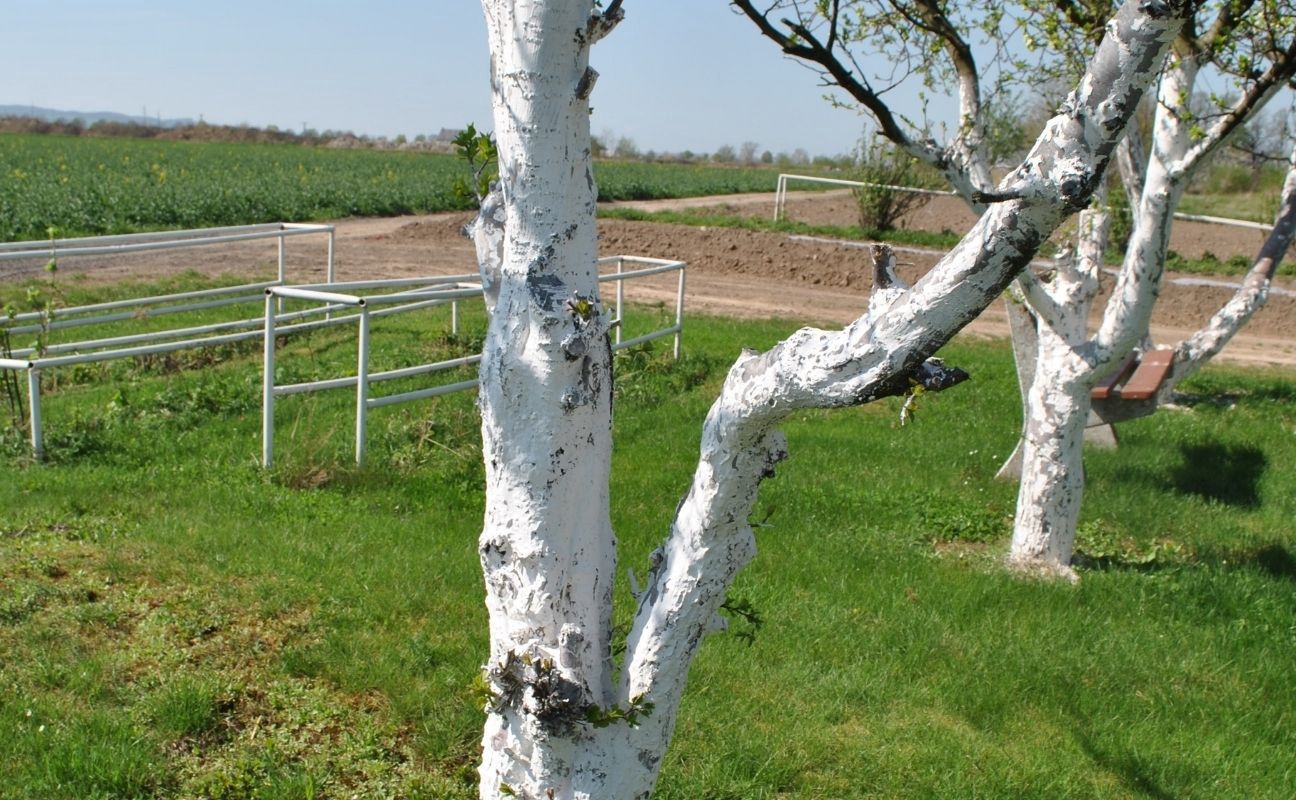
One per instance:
(1069, 363)
(1044, 538)
(560, 725)
(1057, 403)
(547, 547)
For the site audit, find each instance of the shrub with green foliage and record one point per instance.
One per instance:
(883, 165)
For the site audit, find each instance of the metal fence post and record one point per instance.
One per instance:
(620, 296)
(362, 384)
(267, 383)
(679, 313)
(283, 270)
(329, 268)
(33, 403)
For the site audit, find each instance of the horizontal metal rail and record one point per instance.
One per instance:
(94, 344)
(153, 300)
(61, 324)
(392, 282)
(160, 341)
(1236, 223)
(780, 200)
(780, 190)
(423, 394)
(647, 337)
(423, 296)
(143, 242)
(149, 236)
(316, 295)
(376, 377)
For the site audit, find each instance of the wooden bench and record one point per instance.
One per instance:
(1128, 393)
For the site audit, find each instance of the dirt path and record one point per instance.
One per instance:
(731, 272)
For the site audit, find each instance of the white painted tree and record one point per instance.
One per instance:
(1057, 361)
(562, 722)
(1068, 359)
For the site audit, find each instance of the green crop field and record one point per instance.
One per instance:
(88, 186)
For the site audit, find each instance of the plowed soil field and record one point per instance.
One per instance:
(732, 272)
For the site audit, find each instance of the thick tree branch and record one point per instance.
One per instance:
(874, 357)
(601, 24)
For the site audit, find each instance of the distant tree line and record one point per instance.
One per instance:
(207, 132)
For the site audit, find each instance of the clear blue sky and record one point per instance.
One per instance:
(678, 74)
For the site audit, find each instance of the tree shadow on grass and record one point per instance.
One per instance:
(1275, 560)
(1228, 474)
(1126, 767)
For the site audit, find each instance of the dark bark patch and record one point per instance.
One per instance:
(544, 289)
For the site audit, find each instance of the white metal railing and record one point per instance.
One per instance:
(780, 200)
(427, 293)
(60, 354)
(780, 191)
(409, 300)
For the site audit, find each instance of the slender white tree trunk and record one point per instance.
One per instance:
(560, 725)
(1070, 362)
(1052, 473)
(1057, 404)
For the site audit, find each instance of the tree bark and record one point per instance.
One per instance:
(547, 548)
(560, 725)
(1057, 404)
(1042, 537)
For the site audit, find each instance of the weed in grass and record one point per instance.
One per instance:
(644, 376)
(189, 707)
(1103, 544)
(944, 519)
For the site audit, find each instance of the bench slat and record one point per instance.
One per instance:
(1152, 371)
(1107, 385)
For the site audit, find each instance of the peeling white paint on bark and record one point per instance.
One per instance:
(1057, 404)
(1069, 363)
(547, 548)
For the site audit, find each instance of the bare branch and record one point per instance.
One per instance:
(803, 44)
(1281, 70)
(1199, 348)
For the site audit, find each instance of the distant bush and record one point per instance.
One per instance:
(883, 166)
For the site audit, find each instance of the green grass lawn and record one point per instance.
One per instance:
(176, 622)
